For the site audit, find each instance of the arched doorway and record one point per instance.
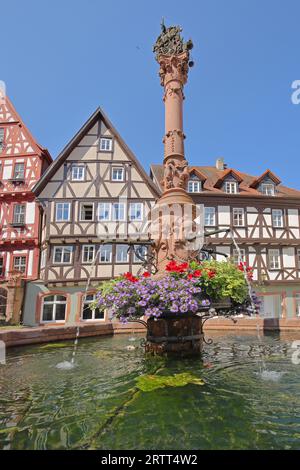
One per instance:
(3, 303)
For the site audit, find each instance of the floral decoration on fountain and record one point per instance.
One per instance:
(184, 289)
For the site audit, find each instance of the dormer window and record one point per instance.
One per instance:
(1, 138)
(231, 187)
(268, 189)
(266, 183)
(105, 144)
(194, 186)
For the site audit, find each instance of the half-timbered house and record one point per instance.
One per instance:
(94, 198)
(264, 217)
(22, 162)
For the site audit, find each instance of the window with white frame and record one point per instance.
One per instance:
(122, 254)
(62, 254)
(239, 257)
(194, 186)
(88, 311)
(86, 212)
(62, 212)
(136, 211)
(238, 217)
(118, 211)
(105, 254)
(209, 216)
(268, 189)
(54, 308)
(1, 138)
(19, 214)
(19, 263)
(105, 144)
(104, 211)
(19, 171)
(297, 299)
(77, 172)
(277, 218)
(274, 259)
(117, 173)
(140, 251)
(231, 187)
(88, 253)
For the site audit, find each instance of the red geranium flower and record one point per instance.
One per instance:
(146, 274)
(172, 266)
(184, 265)
(197, 273)
(211, 274)
(130, 277)
(190, 276)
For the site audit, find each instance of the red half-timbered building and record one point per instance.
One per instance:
(22, 162)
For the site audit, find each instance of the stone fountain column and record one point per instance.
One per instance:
(175, 212)
(173, 219)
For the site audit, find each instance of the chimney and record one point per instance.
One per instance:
(220, 164)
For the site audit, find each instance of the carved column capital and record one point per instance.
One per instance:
(172, 68)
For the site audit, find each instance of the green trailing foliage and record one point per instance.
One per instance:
(226, 282)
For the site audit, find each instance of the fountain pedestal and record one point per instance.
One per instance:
(175, 335)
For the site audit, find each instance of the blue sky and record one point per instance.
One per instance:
(61, 59)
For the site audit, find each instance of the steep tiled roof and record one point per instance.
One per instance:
(213, 175)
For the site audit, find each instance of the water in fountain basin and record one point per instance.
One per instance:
(271, 375)
(263, 373)
(97, 403)
(66, 365)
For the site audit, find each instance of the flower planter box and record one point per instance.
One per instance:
(175, 335)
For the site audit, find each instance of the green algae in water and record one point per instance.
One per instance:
(54, 345)
(148, 383)
(102, 353)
